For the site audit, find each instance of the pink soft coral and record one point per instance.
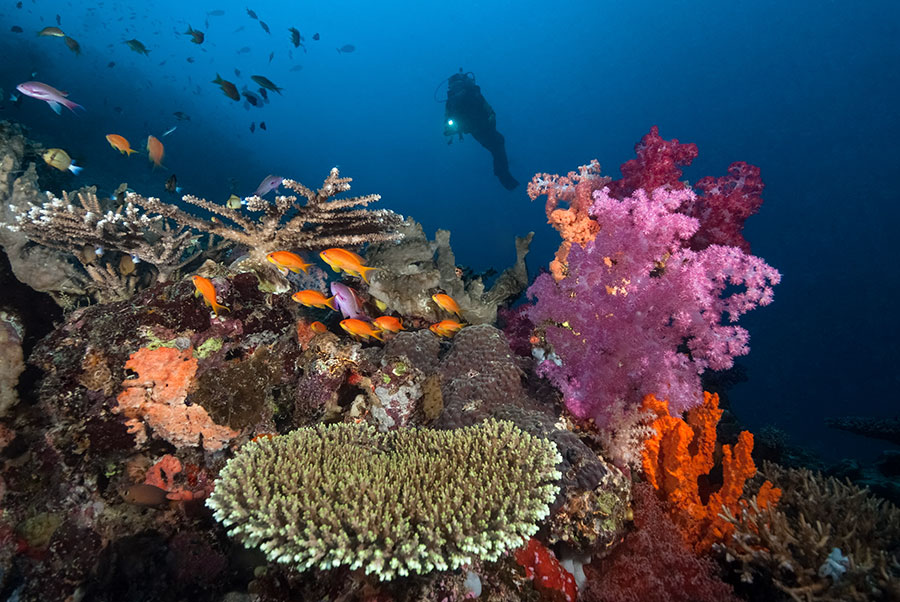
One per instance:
(641, 313)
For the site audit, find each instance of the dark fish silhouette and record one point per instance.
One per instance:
(137, 46)
(271, 56)
(296, 67)
(228, 88)
(346, 48)
(262, 125)
(73, 45)
(265, 27)
(252, 14)
(181, 116)
(296, 38)
(316, 36)
(58, 20)
(16, 29)
(216, 13)
(243, 50)
(252, 127)
(171, 184)
(197, 37)
(266, 83)
(111, 64)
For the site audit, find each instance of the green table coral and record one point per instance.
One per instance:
(408, 501)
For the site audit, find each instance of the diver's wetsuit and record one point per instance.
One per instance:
(467, 112)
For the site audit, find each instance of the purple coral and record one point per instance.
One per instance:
(640, 312)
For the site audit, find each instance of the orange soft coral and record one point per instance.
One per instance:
(156, 399)
(574, 223)
(681, 453)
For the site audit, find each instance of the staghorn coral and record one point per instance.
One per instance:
(410, 501)
(323, 221)
(681, 453)
(162, 235)
(791, 542)
(81, 220)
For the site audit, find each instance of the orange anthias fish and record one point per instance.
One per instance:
(318, 327)
(446, 302)
(120, 144)
(288, 261)
(446, 328)
(313, 298)
(205, 288)
(388, 324)
(156, 150)
(346, 261)
(360, 328)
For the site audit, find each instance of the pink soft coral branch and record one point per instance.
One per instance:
(637, 299)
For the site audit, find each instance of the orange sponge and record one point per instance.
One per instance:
(681, 453)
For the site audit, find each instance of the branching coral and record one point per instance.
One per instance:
(323, 221)
(792, 542)
(409, 501)
(682, 453)
(162, 235)
(80, 221)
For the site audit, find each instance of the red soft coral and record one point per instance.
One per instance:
(653, 564)
(656, 165)
(725, 205)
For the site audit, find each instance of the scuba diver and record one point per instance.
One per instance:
(467, 112)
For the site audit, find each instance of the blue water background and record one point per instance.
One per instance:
(806, 90)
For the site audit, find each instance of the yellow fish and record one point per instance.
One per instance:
(360, 329)
(60, 159)
(446, 302)
(205, 288)
(346, 261)
(313, 298)
(388, 324)
(446, 328)
(156, 150)
(234, 202)
(120, 144)
(288, 261)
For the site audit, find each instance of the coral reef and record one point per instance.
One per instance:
(886, 429)
(792, 544)
(168, 239)
(12, 361)
(410, 271)
(431, 500)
